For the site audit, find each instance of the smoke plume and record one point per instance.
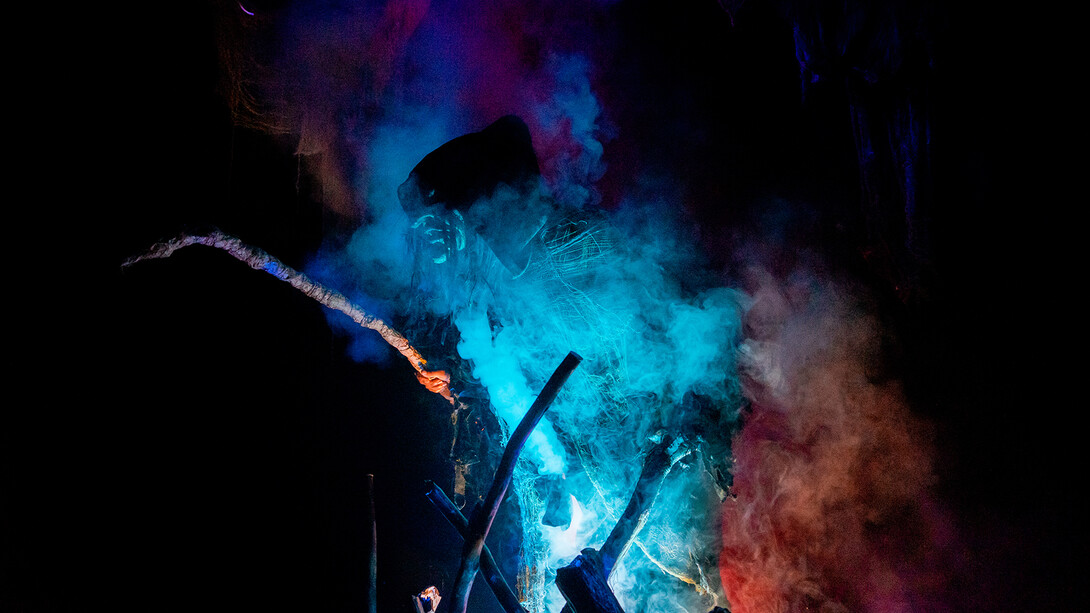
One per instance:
(829, 507)
(833, 508)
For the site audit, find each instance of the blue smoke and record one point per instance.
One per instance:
(650, 345)
(570, 115)
(623, 289)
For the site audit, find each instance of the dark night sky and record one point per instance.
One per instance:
(210, 447)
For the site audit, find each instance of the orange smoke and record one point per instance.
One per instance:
(832, 509)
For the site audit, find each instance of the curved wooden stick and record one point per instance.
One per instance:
(483, 518)
(436, 381)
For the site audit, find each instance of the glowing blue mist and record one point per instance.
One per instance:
(658, 348)
(623, 291)
(380, 85)
(496, 364)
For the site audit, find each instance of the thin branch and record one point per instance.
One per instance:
(483, 518)
(660, 459)
(489, 568)
(372, 554)
(435, 381)
(583, 582)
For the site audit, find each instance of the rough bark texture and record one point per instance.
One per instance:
(435, 381)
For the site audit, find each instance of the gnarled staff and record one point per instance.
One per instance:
(583, 582)
(482, 519)
(436, 381)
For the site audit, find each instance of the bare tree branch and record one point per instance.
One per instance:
(435, 381)
(489, 568)
(372, 552)
(658, 463)
(583, 583)
(482, 519)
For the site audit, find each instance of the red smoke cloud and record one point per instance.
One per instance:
(832, 508)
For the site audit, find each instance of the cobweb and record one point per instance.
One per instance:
(585, 290)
